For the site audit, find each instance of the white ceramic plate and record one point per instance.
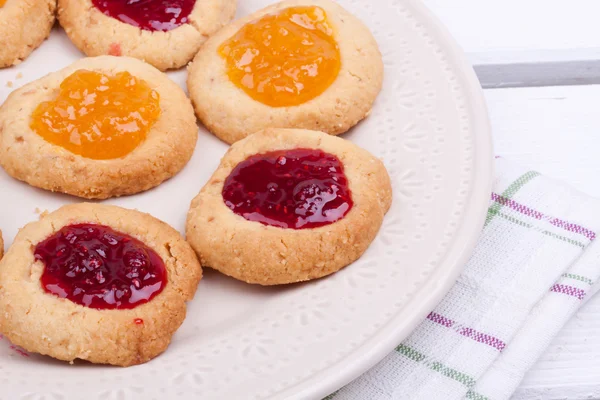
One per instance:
(430, 127)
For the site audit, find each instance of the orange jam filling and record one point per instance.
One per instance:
(2, 2)
(284, 59)
(98, 116)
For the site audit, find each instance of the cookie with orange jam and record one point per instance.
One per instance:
(24, 25)
(102, 127)
(97, 283)
(288, 205)
(297, 64)
(164, 33)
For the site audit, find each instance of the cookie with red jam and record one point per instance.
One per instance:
(102, 127)
(288, 206)
(306, 64)
(164, 33)
(24, 25)
(97, 283)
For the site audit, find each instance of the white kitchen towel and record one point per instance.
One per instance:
(534, 264)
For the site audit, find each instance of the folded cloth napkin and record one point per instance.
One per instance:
(534, 264)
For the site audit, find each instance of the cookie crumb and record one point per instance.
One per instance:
(9, 84)
(41, 213)
(19, 75)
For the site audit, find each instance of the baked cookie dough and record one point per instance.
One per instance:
(287, 206)
(322, 70)
(1, 246)
(24, 25)
(97, 283)
(98, 168)
(157, 32)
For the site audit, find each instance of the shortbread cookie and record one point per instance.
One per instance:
(102, 127)
(297, 64)
(97, 283)
(1, 246)
(24, 24)
(164, 33)
(288, 206)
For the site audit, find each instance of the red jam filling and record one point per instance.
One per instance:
(150, 15)
(100, 268)
(297, 189)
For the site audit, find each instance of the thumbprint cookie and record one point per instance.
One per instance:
(297, 64)
(164, 33)
(97, 283)
(102, 127)
(24, 24)
(288, 206)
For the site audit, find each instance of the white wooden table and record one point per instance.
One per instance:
(539, 62)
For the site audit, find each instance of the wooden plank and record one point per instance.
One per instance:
(553, 129)
(556, 130)
(516, 43)
(582, 72)
(512, 31)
